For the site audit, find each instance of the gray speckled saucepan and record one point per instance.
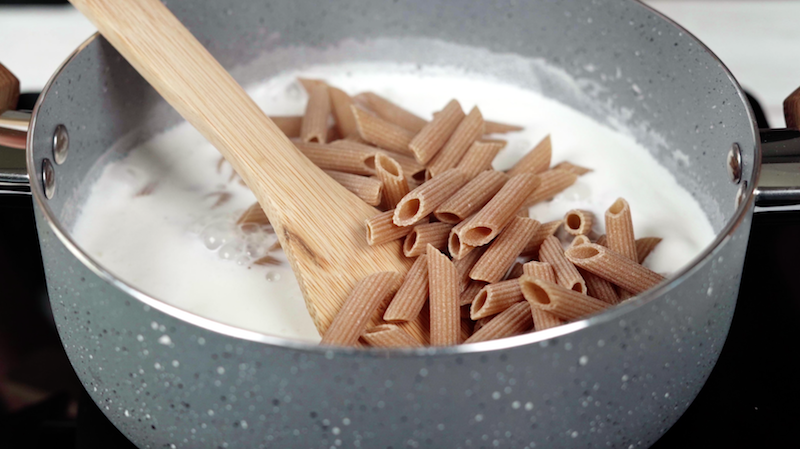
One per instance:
(168, 378)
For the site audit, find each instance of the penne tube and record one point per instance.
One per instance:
(596, 286)
(536, 161)
(544, 320)
(539, 270)
(470, 292)
(619, 230)
(381, 133)
(444, 299)
(434, 234)
(352, 318)
(502, 143)
(409, 165)
(326, 157)
(482, 322)
(255, 215)
(524, 212)
(432, 137)
(310, 83)
(342, 114)
(315, 120)
(613, 267)
(500, 128)
(395, 184)
(553, 182)
(289, 125)
(471, 197)
(499, 211)
(332, 134)
(464, 266)
(513, 321)
(465, 330)
(368, 189)
(464, 311)
(391, 112)
(544, 231)
(566, 273)
(602, 240)
(504, 250)
(381, 228)
(515, 272)
(644, 246)
(580, 240)
(494, 298)
(470, 128)
(572, 168)
(578, 222)
(557, 300)
(389, 336)
(455, 244)
(411, 296)
(423, 200)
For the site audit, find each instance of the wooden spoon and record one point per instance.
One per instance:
(319, 223)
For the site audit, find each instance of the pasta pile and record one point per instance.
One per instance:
(483, 268)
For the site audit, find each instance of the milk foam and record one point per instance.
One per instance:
(177, 246)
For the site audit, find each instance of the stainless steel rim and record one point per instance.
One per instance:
(540, 337)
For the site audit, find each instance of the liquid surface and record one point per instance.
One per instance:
(163, 217)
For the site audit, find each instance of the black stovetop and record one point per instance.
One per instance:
(751, 398)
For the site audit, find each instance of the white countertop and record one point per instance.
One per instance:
(758, 40)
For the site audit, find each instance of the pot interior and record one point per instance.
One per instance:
(616, 61)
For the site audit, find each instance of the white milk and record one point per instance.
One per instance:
(174, 246)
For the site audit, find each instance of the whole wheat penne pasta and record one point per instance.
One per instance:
(410, 166)
(524, 212)
(503, 251)
(378, 131)
(465, 329)
(455, 244)
(544, 231)
(470, 128)
(381, 228)
(391, 112)
(619, 229)
(471, 292)
(552, 183)
(395, 184)
(471, 197)
(502, 143)
(515, 272)
(315, 120)
(500, 210)
(444, 299)
(602, 240)
(289, 125)
(566, 273)
(464, 311)
(356, 139)
(389, 336)
(644, 246)
(327, 157)
(368, 189)
(426, 198)
(411, 296)
(613, 267)
(561, 302)
(464, 266)
(342, 114)
(513, 321)
(539, 270)
(572, 168)
(500, 128)
(478, 158)
(536, 161)
(310, 83)
(578, 222)
(432, 137)
(599, 288)
(254, 214)
(482, 322)
(544, 320)
(494, 298)
(332, 134)
(367, 295)
(580, 240)
(434, 234)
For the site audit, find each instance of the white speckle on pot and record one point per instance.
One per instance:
(625, 377)
(583, 360)
(210, 412)
(568, 346)
(478, 417)
(140, 337)
(220, 370)
(336, 431)
(423, 372)
(127, 413)
(496, 395)
(516, 404)
(176, 363)
(601, 343)
(329, 355)
(346, 421)
(574, 434)
(243, 423)
(154, 325)
(201, 341)
(709, 291)
(440, 426)
(157, 365)
(165, 340)
(529, 406)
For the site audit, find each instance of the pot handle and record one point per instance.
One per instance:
(13, 134)
(778, 187)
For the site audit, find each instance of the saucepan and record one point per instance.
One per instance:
(168, 378)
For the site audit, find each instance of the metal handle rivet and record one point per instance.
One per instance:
(741, 194)
(735, 163)
(60, 144)
(48, 179)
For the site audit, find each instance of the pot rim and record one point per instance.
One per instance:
(541, 337)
